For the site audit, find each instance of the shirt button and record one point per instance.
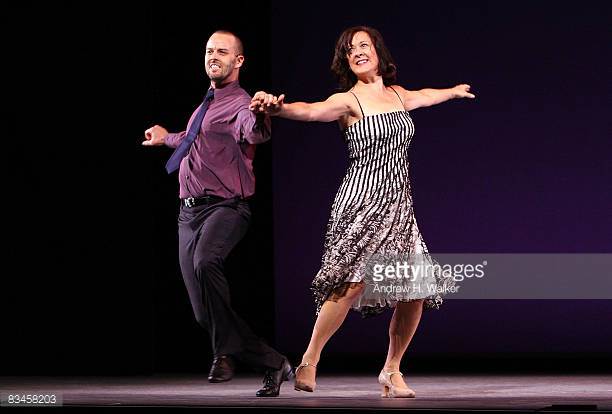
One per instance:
(187, 177)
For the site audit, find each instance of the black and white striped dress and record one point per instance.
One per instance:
(372, 211)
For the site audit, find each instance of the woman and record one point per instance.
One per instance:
(372, 212)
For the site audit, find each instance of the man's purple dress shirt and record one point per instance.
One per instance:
(220, 161)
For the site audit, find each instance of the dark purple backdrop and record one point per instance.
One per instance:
(91, 281)
(523, 168)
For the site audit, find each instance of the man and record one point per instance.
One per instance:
(214, 158)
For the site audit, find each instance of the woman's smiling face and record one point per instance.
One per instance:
(361, 54)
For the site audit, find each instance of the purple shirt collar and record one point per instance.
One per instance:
(227, 89)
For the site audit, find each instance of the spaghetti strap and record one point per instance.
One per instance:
(398, 97)
(362, 114)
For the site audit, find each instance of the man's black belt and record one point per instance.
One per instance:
(196, 201)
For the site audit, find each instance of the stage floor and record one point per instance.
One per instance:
(445, 392)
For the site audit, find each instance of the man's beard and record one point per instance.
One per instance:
(220, 75)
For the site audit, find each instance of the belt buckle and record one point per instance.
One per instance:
(190, 201)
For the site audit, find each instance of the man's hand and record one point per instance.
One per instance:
(265, 103)
(156, 135)
(462, 91)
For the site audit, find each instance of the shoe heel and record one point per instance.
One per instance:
(385, 392)
(301, 386)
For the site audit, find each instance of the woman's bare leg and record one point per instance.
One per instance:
(330, 318)
(403, 325)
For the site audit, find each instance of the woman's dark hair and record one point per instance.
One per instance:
(340, 65)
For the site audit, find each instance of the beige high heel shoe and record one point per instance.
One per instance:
(300, 384)
(391, 391)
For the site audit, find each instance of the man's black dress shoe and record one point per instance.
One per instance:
(222, 369)
(274, 378)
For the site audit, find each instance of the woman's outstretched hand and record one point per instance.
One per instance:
(265, 103)
(462, 91)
